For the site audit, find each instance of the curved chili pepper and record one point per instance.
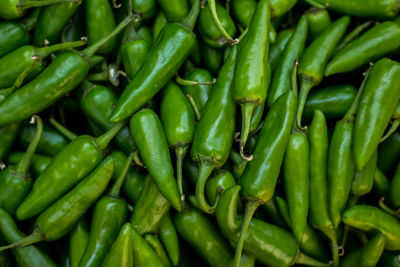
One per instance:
(169, 237)
(369, 218)
(217, 184)
(333, 101)
(145, 8)
(149, 209)
(174, 11)
(389, 152)
(16, 181)
(378, 102)
(14, 9)
(178, 122)
(38, 165)
(8, 134)
(50, 143)
(159, 23)
(372, 251)
(278, 47)
(170, 50)
(27, 256)
(315, 58)
(268, 243)
(143, 254)
(52, 21)
(282, 75)
(109, 215)
(252, 74)
(243, 11)
(120, 253)
(377, 42)
(364, 180)
(214, 134)
(59, 219)
(394, 186)
(97, 104)
(366, 8)
(68, 167)
(71, 67)
(318, 20)
(156, 245)
(78, 241)
(16, 34)
(151, 142)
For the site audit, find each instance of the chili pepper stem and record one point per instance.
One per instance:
(47, 50)
(64, 131)
(213, 9)
(103, 140)
(91, 50)
(116, 188)
(334, 246)
(303, 259)
(392, 129)
(247, 111)
(250, 208)
(37, 3)
(383, 206)
(205, 170)
(194, 106)
(305, 87)
(26, 159)
(33, 238)
(180, 152)
(136, 158)
(184, 82)
(191, 18)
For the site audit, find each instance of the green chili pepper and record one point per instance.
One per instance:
(143, 254)
(372, 251)
(149, 209)
(61, 76)
(214, 134)
(278, 47)
(282, 75)
(17, 181)
(364, 180)
(212, 58)
(243, 11)
(152, 145)
(109, 215)
(395, 121)
(252, 74)
(169, 237)
(8, 133)
(218, 184)
(155, 244)
(50, 143)
(379, 41)
(14, 9)
(38, 164)
(369, 218)
(52, 21)
(394, 186)
(366, 8)
(145, 8)
(16, 34)
(60, 218)
(97, 104)
(388, 152)
(381, 185)
(378, 102)
(159, 23)
(333, 101)
(27, 256)
(168, 53)
(178, 122)
(78, 241)
(318, 20)
(174, 11)
(280, 7)
(315, 58)
(68, 167)
(268, 243)
(121, 250)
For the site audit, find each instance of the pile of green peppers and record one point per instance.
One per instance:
(199, 133)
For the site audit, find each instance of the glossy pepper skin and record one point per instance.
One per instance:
(252, 73)
(333, 101)
(314, 59)
(169, 237)
(214, 134)
(8, 134)
(156, 245)
(52, 21)
(368, 8)
(174, 11)
(178, 122)
(143, 254)
(277, 48)
(171, 48)
(364, 180)
(38, 165)
(78, 241)
(145, 8)
(27, 256)
(71, 165)
(16, 181)
(50, 143)
(378, 102)
(379, 41)
(243, 10)
(149, 209)
(318, 20)
(151, 142)
(369, 218)
(121, 250)
(97, 104)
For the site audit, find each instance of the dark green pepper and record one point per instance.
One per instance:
(156, 245)
(174, 11)
(169, 237)
(143, 253)
(38, 165)
(388, 153)
(394, 186)
(145, 8)
(212, 58)
(318, 20)
(277, 48)
(78, 241)
(8, 133)
(121, 250)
